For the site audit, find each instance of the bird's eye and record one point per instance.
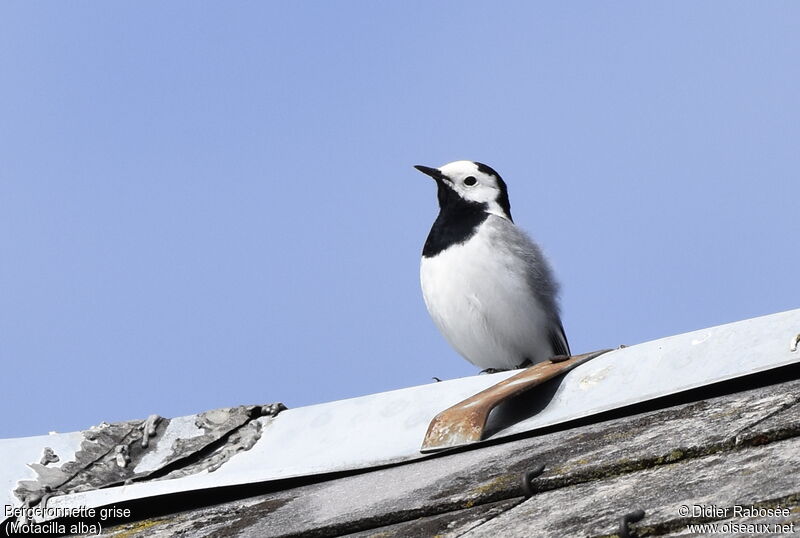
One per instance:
(470, 181)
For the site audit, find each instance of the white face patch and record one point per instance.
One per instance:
(471, 184)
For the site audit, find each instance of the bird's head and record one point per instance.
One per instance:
(471, 182)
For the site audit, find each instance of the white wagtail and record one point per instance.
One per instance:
(486, 284)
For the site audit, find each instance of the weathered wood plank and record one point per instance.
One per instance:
(447, 525)
(763, 476)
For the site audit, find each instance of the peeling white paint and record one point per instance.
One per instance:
(178, 428)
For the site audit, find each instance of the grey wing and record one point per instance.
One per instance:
(540, 278)
(545, 286)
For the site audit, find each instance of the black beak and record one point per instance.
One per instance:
(433, 172)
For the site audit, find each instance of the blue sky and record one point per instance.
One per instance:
(213, 204)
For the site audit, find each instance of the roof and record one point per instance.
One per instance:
(689, 429)
(740, 449)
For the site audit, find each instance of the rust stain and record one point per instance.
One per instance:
(464, 422)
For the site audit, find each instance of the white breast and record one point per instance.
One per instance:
(480, 299)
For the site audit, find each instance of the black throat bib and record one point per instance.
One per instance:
(457, 221)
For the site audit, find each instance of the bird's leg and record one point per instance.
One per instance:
(524, 364)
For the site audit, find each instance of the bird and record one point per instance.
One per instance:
(486, 284)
